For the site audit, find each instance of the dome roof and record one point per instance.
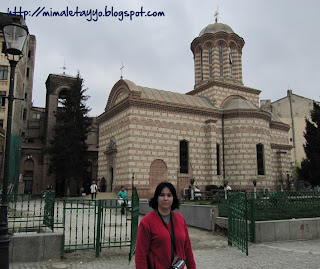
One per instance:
(215, 28)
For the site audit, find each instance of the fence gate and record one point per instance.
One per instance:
(237, 222)
(98, 224)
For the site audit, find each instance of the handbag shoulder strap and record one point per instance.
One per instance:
(172, 235)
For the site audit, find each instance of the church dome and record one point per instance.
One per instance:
(215, 28)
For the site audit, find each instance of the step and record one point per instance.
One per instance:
(103, 195)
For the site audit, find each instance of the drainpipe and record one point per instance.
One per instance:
(223, 164)
(289, 93)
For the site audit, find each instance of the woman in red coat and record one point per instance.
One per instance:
(154, 248)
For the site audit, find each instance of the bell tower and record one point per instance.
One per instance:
(217, 53)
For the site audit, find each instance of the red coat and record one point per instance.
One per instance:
(153, 240)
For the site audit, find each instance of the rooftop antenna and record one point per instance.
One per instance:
(64, 66)
(121, 70)
(216, 15)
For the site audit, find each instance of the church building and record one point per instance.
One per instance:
(214, 134)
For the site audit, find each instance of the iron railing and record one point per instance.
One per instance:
(276, 205)
(26, 213)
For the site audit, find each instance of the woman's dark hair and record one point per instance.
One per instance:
(154, 200)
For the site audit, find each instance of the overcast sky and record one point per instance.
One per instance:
(281, 48)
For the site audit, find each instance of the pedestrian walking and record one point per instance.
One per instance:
(93, 189)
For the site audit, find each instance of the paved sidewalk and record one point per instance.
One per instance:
(210, 251)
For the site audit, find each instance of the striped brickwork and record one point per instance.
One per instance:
(218, 92)
(242, 134)
(215, 40)
(147, 144)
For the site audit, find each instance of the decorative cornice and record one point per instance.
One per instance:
(226, 37)
(246, 113)
(279, 126)
(281, 146)
(212, 82)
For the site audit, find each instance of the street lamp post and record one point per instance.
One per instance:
(15, 36)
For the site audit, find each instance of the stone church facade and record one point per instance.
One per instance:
(213, 134)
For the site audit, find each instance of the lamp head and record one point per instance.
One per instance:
(15, 36)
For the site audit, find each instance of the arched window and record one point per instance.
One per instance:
(201, 64)
(220, 54)
(230, 61)
(210, 55)
(260, 159)
(184, 157)
(210, 62)
(221, 60)
(62, 97)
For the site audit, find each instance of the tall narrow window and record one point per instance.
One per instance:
(3, 98)
(3, 72)
(201, 64)
(184, 157)
(24, 114)
(3, 50)
(210, 55)
(221, 60)
(230, 61)
(210, 63)
(28, 71)
(220, 54)
(260, 159)
(218, 160)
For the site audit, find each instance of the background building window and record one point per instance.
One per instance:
(24, 114)
(1, 123)
(218, 160)
(3, 98)
(184, 157)
(3, 49)
(36, 116)
(260, 159)
(3, 72)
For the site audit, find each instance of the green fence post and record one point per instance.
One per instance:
(64, 227)
(98, 233)
(246, 223)
(253, 221)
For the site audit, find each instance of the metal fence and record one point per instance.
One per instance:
(276, 205)
(26, 213)
(86, 224)
(95, 224)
